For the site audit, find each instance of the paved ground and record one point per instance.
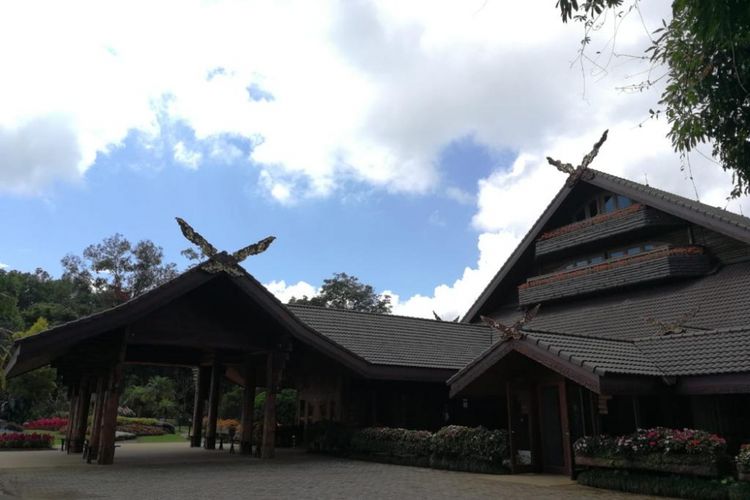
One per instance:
(161, 471)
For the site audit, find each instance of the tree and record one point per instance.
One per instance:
(706, 50)
(346, 292)
(155, 399)
(118, 270)
(34, 394)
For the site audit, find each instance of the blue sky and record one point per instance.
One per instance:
(405, 243)
(402, 142)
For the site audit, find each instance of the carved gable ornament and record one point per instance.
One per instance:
(222, 261)
(512, 332)
(581, 171)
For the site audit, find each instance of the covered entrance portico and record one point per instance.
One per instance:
(225, 325)
(551, 399)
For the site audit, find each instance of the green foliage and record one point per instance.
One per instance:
(155, 399)
(476, 443)
(346, 292)
(659, 485)
(117, 269)
(706, 48)
(453, 447)
(286, 407)
(230, 404)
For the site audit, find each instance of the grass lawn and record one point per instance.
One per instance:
(165, 438)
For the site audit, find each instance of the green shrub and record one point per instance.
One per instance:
(478, 443)
(392, 442)
(739, 491)
(659, 485)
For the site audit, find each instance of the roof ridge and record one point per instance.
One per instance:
(389, 315)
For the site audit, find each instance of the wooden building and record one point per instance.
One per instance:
(643, 321)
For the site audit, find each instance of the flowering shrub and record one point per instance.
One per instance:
(124, 411)
(656, 440)
(743, 458)
(46, 424)
(21, 440)
(392, 441)
(141, 421)
(478, 443)
(141, 430)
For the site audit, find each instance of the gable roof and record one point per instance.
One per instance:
(721, 221)
(590, 358)
(385, 339)
(39, 350)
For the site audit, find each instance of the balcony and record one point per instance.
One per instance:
(602, 226)
(662, 263)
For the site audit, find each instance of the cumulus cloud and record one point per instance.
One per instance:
(187, 157)
(284, 292)
(3, 265)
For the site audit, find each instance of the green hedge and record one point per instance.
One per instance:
(453, 447)
(665, 485)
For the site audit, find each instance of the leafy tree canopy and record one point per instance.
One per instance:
(706, 51)
(118, 269)
(347, 292)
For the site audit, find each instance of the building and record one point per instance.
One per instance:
(642, 320)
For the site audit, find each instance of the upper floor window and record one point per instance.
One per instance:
(602, 204)
(615, 253)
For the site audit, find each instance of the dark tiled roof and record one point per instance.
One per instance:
(700, 353)
(714, 218)
(385, 339)
(720, 298)
(716, 213)
(599, 355)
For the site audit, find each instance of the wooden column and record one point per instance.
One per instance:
(106, 453)
(213, 405)
(82, 416)
(248, 407)
(201, 393)
(72, 424)
(96, 424)
(269, 420)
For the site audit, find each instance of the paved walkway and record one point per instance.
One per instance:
(173, 470)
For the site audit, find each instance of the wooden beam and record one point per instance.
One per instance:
(201, 393)
(97, 420)
(248, 407)
(214, 394)
(82, 416)
(269, 420)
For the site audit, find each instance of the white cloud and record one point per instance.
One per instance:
(3, 265)
(187, 157)
(284, 292)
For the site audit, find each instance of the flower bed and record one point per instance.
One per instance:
(654, 484)
(469, 449)
(685, 451)
(46, 424)
(141, 430)
(19, 440)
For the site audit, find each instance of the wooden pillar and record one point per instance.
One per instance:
(96, 424)
(82, 416)
(248, 407)
(269, 419)
(72, 424)
(213, 405)
(201, 393)
(106, 453)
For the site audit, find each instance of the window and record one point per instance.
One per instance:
(617, 254)
(602, 204)
(634, 250)
(608, 204)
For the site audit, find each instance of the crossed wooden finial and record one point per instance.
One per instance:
(582, 170)
(514, 331)
(222, 261)
(673, 327)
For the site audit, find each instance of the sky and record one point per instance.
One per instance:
(401, 142)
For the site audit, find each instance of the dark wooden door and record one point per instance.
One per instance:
(553, 428)
(522, 421)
